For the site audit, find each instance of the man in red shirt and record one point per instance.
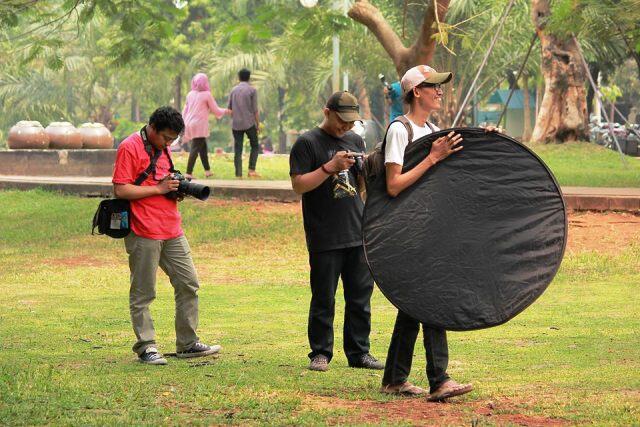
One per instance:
(156, 237)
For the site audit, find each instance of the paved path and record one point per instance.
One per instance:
(577, 198)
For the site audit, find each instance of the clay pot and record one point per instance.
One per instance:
(27, 135)
(63, 135)
(95, 136)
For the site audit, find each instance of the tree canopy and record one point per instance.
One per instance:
(114, 61)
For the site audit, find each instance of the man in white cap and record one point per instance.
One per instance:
(421, 91)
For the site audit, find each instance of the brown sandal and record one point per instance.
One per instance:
(448, 389)
(404, 389)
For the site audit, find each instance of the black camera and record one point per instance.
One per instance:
(359, 158)
(187, 188)
(383, 80)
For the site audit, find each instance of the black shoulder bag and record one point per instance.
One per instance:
(114, 215)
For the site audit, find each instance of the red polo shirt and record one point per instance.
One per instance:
(153, 217)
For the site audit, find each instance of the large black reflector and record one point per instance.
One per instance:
(474, 241)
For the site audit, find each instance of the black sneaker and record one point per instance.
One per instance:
(152, 357)
(319, 362)
(198, 350)
(367, 361)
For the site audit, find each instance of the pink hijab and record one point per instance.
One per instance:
(197, 107)
(200, 83)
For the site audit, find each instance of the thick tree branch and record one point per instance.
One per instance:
(368, 15)
(425, 45)
(420, 52)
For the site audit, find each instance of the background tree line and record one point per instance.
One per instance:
(114, 61)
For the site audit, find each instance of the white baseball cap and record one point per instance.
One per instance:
(422, 73)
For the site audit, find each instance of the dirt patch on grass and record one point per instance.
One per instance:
(607, 232)
(604, 232)
(419, 412)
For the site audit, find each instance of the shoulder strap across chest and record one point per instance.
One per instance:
(153, 158)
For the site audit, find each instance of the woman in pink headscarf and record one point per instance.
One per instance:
(196, 120)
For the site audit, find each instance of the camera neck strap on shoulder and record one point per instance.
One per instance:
(153, 157)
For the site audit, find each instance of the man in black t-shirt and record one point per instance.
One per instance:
(323, 169)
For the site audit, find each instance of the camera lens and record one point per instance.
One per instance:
(198, 191)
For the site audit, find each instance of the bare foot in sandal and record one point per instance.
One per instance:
(449, 388)
(404, 389)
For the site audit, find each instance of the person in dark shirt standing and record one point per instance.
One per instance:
(243, 100)
(323, 169)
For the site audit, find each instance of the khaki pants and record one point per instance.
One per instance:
(174, 257)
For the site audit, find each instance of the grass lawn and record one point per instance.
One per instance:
(573, 164)
(573, 357)
(274, 167)
(589, 165)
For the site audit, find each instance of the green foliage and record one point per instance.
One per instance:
(604, 28)
(100, 59)
(611, 93)
(124, 128)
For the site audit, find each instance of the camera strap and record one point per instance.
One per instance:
(153, 158)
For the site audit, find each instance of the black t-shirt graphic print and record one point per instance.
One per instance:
(332, 213)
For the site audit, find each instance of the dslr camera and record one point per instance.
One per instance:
(383, 79)
(359, 158)
(187, 188)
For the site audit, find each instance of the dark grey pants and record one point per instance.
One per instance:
(400, 356)
(326, 268)
(238, 143)
(198, 147)
(174, 258)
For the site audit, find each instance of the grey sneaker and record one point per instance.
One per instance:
(198, 350)
(152, 357)
(319, 362)
(367, 361)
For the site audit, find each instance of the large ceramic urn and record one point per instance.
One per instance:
(95, 136)
(63, 135)
(27, 135)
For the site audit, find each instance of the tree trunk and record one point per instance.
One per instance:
(282, 136)
(69, 95)
(630, 48)
(594, 69)
(104, 115)
(363, 100)
(539, 90)
(526, 109)
(563, 113)
(135, 108)
(177, 98)
(420, 52)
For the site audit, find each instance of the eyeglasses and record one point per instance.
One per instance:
(436, 86)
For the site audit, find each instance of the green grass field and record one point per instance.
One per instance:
(275, 167)
(573, 357)
(589, 165)
(573, 164)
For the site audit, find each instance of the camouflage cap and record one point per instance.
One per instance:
(345, 105)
